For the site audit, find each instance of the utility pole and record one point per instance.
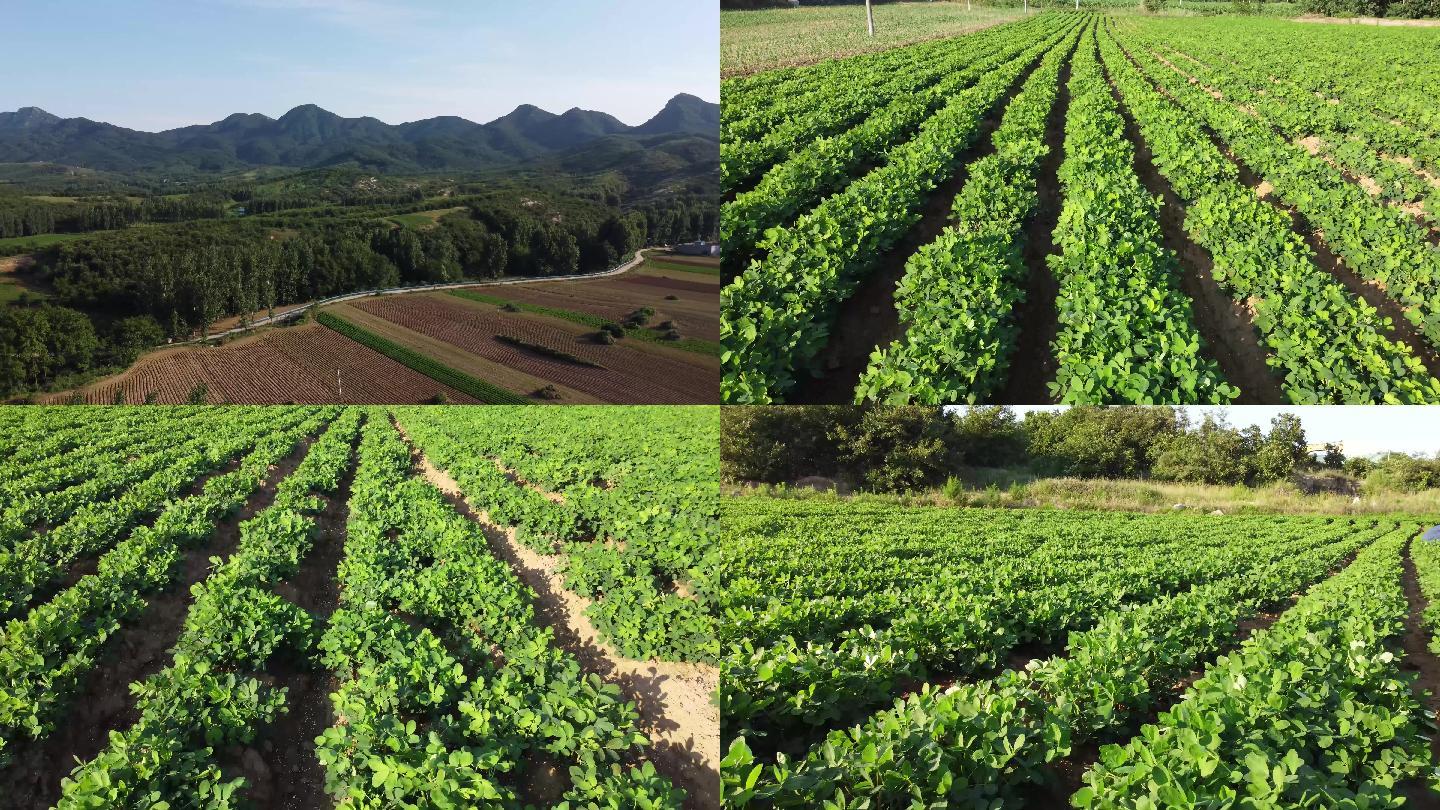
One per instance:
(870, 17)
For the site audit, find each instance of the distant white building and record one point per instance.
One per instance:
(699, 248)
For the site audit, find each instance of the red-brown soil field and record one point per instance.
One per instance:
(696, 313)
(298, 363)
(632, 372)
(295, 364)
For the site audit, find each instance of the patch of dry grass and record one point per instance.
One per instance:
(1021, 491)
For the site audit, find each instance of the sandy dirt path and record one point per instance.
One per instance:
(676, 701)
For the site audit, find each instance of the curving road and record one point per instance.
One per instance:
(298, 309)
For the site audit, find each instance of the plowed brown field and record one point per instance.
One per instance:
(698, 314)
(629, 376)
(296, 364)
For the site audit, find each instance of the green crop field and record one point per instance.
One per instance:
(317, 606)
(16, 245)
(753, 41)
(1089, 208)
(424, 219)
(879, 655)
(11, 291)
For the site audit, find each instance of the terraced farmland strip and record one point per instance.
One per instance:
(481, 390)
(596, 321)
(683, 267)
(293, 364)
(628, 376)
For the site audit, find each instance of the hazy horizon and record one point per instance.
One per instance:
(153, 65)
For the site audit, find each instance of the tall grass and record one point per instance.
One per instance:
(1018, 490)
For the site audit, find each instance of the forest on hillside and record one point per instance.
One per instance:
(115, 273)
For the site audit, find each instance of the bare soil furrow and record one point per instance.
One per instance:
(675, 700)
(868, 318)
(281, 766)
(1032, 364)
(1229, 332)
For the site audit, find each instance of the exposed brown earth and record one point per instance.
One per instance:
(1032, 364)
(14, 264)
(281, 766)
(670, 282)
(698, 316)
(295, 364)
(510, 377)
(711, 262)
(628, 375)
(676, 701)
(1418, 659)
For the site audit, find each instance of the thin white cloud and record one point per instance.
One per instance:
(371, 16)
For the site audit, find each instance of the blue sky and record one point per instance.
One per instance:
(157, 64)
(1364, 429)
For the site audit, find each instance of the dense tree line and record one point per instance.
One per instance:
(912, 447)
(45, 344)
(265, 203)
(1373, 8)
(23, 216)
(681, 219)
(144, 285)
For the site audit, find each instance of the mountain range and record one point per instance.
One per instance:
(310, 137)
